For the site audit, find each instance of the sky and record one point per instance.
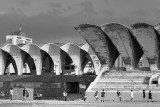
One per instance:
(53, 21)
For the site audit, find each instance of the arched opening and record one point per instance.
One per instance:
(47, 63)
(143, 64)
(69, 68)
(89, 68)
(119, 64)
(87, 65)
(28, 64)
(10, 66)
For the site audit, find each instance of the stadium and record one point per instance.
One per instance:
(115, 57)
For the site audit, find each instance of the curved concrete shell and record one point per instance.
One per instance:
(125, 42)
(47, 63)
(28, 63)
(100, 43)
(95, 59)
(85, 58)
(5, 60)
(78, 56)
(15, 52)
(35, 52)
(55, 52)
(2, 61)
(149, 40)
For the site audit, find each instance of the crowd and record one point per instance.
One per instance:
(119, 96)
(102, 96)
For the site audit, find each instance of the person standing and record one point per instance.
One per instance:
(65, 95)
(24, 94)
(27, 95)
(119, 95)
(144, 95)
(96, 95)
(102, 95)
(85, 97)
(150, 96)
(11, 93)
(132, 95)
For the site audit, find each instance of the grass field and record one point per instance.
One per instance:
(52, 103)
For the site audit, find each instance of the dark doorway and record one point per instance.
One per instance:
(72, 87)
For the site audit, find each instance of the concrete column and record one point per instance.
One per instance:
(38, 64)
(2, 65)
(19, 64)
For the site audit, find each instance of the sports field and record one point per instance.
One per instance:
(52, 103)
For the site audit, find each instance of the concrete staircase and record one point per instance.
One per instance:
(123, 81)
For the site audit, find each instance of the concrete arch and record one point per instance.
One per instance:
(149, 40)
(15, 52)
(93, 56)
(78, 56)
(154, 78)
(47, 62)
(28, 64)
(85, 58)
(100, 43)
(5, 60)
(54, 51)
(8, 60)
(143, 63)
(35, 52)
(125, 43)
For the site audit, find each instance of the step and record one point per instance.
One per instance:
(122, 85)
(124, 76)
(117, 83)
(129, 74)
(118, 88)
(119, 80)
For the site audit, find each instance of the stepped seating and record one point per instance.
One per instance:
(124, 81)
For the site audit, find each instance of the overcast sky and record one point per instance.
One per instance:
(54, 20)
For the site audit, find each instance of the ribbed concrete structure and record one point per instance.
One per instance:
(15, 52)
(100, 43)
(4, 61)
(126, 44)
(149, 39)
(111, 45)
(54, 51)
(95, 59)
(34, 51)
(136, 44)
(79, 57)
